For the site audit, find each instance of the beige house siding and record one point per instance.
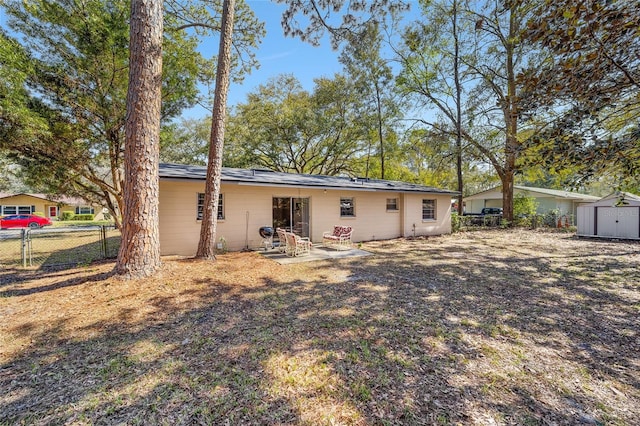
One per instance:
(248, 207)
(42, 205)
(414, 225)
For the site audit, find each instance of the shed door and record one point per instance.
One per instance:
(619, 222)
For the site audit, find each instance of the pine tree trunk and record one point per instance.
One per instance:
(206, 245)
(380, 136)
(139, 253)
(511, 121)
(458, 94)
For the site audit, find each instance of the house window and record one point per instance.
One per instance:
(6, 210)
(428, 209)
(84, 210)
(392, 204)
(347, 207)
(201, 206)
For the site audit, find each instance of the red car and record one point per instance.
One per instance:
(24, 221)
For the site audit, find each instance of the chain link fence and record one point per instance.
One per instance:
(55, 247)
(551, 219)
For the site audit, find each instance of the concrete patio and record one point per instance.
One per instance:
(317, 253)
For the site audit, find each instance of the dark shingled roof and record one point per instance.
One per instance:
(268, 177)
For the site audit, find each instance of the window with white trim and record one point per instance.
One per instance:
(392, 204)
(84, 210)
(428, 209)
(201, 206)
(7, 210)
(347, 207)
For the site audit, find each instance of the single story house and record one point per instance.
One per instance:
(615, 216)
(47, 206)
(306, 204)
(565, 202)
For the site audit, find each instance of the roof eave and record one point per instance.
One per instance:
(308, 186)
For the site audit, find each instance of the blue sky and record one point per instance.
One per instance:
(278, 55)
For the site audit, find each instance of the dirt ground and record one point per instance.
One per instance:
(478, 328)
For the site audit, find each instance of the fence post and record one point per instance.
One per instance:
(104, 241)
(23, 252)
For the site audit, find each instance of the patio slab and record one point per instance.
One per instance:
(317, 253)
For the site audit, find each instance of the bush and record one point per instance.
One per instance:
(38, 214)
(82, 217)
(524, 209)
(456, 222)
(66, 216)
(551, 218)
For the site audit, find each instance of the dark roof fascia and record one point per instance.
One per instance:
(268, 184)
(256, 178)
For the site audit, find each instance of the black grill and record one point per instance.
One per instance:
(266, 232)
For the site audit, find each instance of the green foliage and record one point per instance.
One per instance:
(186, 141)
(459, 65)
(550, 218)
(66, 216)
(588, 93)
(456, 222)
(9, 178)
(524, 208)
(70, 139)
(285, 128)
(379, 103)
(17, 120)
(340, 19)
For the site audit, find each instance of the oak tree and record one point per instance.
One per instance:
(589, 90)
(283, 127)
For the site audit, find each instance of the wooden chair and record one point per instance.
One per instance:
(296, 245)
(340, 238)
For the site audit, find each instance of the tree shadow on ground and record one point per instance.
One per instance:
(421, 334)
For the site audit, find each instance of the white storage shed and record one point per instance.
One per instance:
(614, 216)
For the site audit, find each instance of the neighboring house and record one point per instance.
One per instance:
(307, 204)
(566, 203)
(614, 216)
(46, 206)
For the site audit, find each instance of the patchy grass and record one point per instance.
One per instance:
(54, 248)
(495, 327)
(76, 223)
